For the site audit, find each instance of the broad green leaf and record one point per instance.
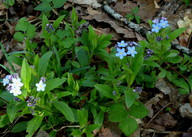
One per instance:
(33, 125)
(162, 74)
(58, 3)
(31, 31)
(45, 6)
(43, 63)
(130, 98)
(54, 83)
(19, 36)
(19, 127)
(65, 110)
(7, 96)
(4, 120)
(99, 118)
(174, 60)
(74, 17)
(138, 111)
(151, 63)
(26, 74)
(82, 117)
(83, 58)
(181, 83)
(117, 113)
(105, 90)
(128, 126)
(176, 33)
(92, 127)
(12, 110)
(58, 21)
(22, 24)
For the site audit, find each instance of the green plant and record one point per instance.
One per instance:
(134, 15)
(48, 5)
(8, 3)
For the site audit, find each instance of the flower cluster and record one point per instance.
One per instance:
(125, 49)
(31, 101)
(148, 53)
(13, 83)
(158, 24)
(41, 85)
(49, 28)
(137, 89)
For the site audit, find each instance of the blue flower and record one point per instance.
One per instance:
(121, 53)
(131, 51)
(163, 23)
(121, 44)
(155, 21)
(6, 80)
(156, 28)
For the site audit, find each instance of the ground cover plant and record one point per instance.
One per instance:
(76, 79)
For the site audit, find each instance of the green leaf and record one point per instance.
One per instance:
(7, 96)
(4, 120)
(33, 125)
(82, 57)
(22, 24)
(105, 90)
(135, 10)
(128, 126)
(82, 117)
(19, 36)
(74, 17)
(151, 63)
(43, 63)
(181, 83)
(137, 18)
(12, 110)
(31, 31)
(58, 3)
(99, 118)
(174, 60)
(130, 98)
(26, 75)
(117, 113)
(45, 6)
(65, 110)
(138, 111)
(21, 126)
(162, 74)
(54, 83)
(176, 33)
(58, 21)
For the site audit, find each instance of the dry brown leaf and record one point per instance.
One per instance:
(153, 101)
(186, 110)
(105, 132)
(92, 3)
(186, 22)
(147, 9)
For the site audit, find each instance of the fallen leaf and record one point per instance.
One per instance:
(153, 101)
(186, 110)
(92, 3)
(186, 22)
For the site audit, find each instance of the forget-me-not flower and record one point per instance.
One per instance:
(163, 23)
(156, 28)
(131, 51)
(6, 80)
(121, 44)
(121, 53)
(40, 86)
(16, 91)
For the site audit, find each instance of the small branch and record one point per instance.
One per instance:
(141, 30)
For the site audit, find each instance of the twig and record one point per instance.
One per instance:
(141, 30)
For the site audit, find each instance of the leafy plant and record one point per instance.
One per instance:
(48, 5)
(134, 15)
